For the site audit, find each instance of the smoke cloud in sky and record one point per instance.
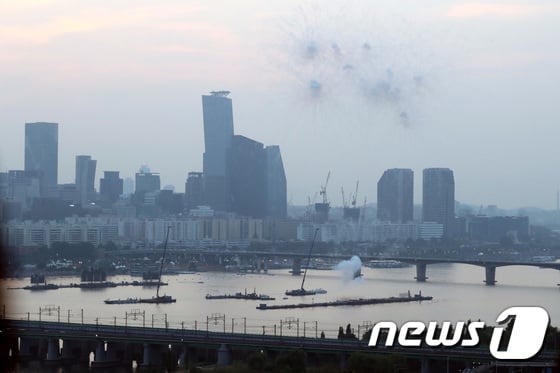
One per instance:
(348, 56)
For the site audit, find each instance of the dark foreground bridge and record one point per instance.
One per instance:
(114, 345)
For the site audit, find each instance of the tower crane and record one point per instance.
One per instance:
(323, 191)
(355, 196)
(344, 204)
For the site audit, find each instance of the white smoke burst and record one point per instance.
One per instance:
(350, 269)
(352, 56)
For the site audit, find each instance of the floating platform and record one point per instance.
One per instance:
(240, 295)
(90, 285)
(158, 299)
(346, 302)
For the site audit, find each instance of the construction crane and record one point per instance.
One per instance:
(355, 196)
(322, 209)
(352, 213)
(344, 204)
(363, 214)
(323, 191)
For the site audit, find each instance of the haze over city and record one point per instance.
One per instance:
(350, 88)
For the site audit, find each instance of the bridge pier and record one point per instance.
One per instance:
(490, 275)
(100, 353)
(28, 348)
(107, 358)
(262, 265)
(224, 355)
(421, 272)
(152, 355)
(70, 350)
(85, 349)
(296, 267)
(53, 349)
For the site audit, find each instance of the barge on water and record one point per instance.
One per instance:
(91, 285)
(159, 299)
(346, 302)
(240, 295)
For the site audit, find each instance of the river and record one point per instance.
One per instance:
(458, 294)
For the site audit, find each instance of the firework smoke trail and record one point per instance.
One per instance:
(346, 56)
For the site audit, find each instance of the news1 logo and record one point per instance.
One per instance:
(525, 341)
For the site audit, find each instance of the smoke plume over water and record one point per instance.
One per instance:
(350, 269)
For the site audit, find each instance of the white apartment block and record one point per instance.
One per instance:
(100, 230)
(347, 232)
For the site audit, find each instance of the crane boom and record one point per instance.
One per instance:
(323, 191)
(355, 197)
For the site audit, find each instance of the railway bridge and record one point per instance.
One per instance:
(148, 347)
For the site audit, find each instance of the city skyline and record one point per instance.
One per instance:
(455, 86)
(88, 171)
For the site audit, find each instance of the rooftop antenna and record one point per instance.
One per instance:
(220, 93)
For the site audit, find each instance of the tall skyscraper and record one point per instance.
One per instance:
(395, 194)
(246, 179)
(41, 153)
(194, 190)
(217, 115)
(275, 180)
(438, 198)
(110, 186)
(85, 179)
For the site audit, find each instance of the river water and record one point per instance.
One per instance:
(458, 294)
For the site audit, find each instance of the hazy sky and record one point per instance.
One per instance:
(351, 87)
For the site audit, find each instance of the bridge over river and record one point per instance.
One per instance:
(118, 344)
(258, 259)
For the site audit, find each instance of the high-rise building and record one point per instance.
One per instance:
(275, 180)
(194, 190)
(24, 187)
(147, 182)
(217, 115)
(110, 186)
(85, 179)
(395, 191)
(128, 186)
(246, 179)
(41, 153)
(3, 185)
(438, 198)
